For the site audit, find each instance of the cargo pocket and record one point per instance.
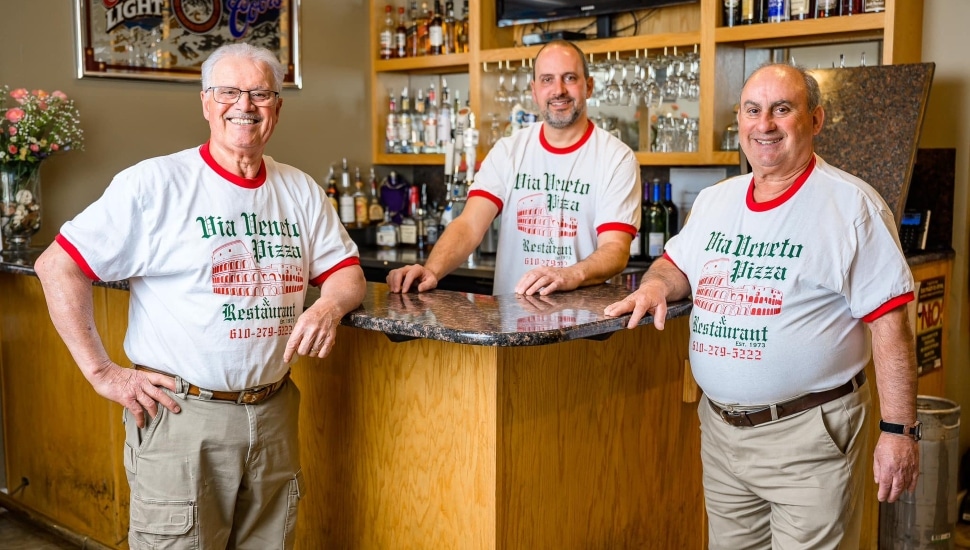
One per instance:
(294, 494)
(163, 525)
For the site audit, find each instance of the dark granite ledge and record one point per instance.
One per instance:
(464, 318)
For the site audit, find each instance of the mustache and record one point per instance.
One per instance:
(559, 97)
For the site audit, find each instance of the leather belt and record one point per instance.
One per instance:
(749, 418)
(250, 396)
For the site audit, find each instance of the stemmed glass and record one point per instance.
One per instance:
(502, 93)
(652, 94)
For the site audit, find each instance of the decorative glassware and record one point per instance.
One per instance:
(19, 203)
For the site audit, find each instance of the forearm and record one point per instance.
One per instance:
(894, 356)
(606, 261)
(70, 304)
(454, 246)
(664, 275)
(342, 292)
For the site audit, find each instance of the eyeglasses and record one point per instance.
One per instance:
(229, 95)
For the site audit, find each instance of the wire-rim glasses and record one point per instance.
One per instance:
(229, 96)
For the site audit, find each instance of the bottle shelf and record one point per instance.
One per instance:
(450, 63)
(808, 31)
(722, 51)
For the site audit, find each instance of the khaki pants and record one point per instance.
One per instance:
(215, 475)
(795, 483)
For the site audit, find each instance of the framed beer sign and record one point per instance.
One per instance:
(169, 39)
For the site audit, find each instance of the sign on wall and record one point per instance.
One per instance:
(169, 39)
(929, 324)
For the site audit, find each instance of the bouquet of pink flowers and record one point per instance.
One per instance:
(35, 125)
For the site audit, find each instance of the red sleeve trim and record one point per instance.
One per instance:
(889, 306)
(76, 256)
(616, 226)
(229, 176)
(318, 280)
(486, 195)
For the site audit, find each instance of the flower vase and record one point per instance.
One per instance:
(19, 204)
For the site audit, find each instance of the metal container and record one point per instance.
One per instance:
(926, 518)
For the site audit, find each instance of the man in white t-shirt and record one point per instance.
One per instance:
(787, 268)
(568, 193)
(218, 244)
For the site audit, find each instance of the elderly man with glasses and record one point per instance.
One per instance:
(219, 244)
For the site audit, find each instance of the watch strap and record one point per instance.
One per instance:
(912, 431)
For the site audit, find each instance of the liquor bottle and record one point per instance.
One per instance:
(387, 34)
(873, 6)
(826, 8)
(346, 198)
(424, 23)
(332, 189)
(361, 218)
(448, 29)
(656, 221)
(414, 43)
(391, 130)
(752, 12)
(431, 122)
(673, 217)
(851, 7)
(429, 222)
(731, 12)
(375, 212)
(444, 117)
(408, 230)
(386, 232)
(461, 31)
(404, 123)
(801, 9)
(401, 34)
(778, 11)
(435, 31)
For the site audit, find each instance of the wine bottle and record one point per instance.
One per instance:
(346, 198)
(436, 32)
(361, 218)
(673, 217)
(656, 219)
(636, 245)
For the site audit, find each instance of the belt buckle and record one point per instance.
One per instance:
(735, 417)
(253, 396)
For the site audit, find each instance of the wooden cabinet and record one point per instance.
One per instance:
(724, 54)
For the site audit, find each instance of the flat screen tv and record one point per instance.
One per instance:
(516, 12)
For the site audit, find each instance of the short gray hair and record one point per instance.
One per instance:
(812, 89)
(248, 51)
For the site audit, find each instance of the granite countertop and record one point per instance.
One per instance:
(464, 318)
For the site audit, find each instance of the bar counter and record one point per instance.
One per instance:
(440, 420)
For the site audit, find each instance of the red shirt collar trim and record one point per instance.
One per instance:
(565, 150)
(778, 201)
(248, 183)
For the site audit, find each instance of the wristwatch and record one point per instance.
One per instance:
(914, 430)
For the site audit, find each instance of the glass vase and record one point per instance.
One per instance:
(19, 203)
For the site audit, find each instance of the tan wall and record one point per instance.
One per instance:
(945, 42)
(126, 121)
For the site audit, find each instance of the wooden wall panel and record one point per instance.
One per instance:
(57, 429)
(596, 448)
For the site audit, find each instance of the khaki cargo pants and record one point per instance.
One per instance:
(215, 475)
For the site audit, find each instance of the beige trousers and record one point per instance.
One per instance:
(795, 483)
(215, 475)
